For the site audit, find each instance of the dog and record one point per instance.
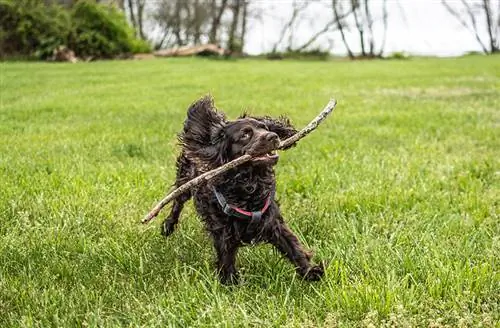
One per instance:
(238, 207)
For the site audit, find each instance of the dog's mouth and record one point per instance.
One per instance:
(270, 158)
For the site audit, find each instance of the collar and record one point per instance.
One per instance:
(232, 210)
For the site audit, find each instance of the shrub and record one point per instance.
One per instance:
(34, 28)
(314, 54)
(398, 56)
(102, 31)
(30, 28)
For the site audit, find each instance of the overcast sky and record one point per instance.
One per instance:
(415, 26)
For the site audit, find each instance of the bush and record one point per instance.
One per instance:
(102, 31)
(314, 54)
(398, 56)
(33, 28)
(30, 28)
(474, 53)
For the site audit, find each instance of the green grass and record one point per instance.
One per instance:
(398, 190)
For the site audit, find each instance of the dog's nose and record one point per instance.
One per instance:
(272, 137)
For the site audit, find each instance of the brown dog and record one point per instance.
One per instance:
(237, 207)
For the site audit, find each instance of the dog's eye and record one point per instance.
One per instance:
(247, 133)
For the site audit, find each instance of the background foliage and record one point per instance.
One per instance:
(33, 28)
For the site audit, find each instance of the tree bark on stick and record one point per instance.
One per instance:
(207, 176)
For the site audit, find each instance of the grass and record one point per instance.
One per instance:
(398, 190)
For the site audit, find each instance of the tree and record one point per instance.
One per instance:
(244, 23)
(468, 13)
(183, 22)
(238, 25)
(193, 22)
(137, 16)
(233, 44)
(363, 22)
(298, 8)
(217, 10)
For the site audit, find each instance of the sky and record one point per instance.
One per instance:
(422, 27)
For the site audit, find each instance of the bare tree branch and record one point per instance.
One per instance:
(359, 26)
(207, 176)
(244, 21)
(288, 26)
(132, 14)
(140, 18)
(330, 26)
(341, 28)
(167, 35)
(457, 15)
(369, 23)
(384, 19)
(216, 19)
(235, 8)
(489, 25)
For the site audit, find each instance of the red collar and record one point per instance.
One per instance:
(232, 210)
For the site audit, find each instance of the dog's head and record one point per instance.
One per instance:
(252, 137)
(210, 137)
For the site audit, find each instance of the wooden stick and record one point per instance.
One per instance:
(207, 176)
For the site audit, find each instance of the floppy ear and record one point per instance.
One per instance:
(281, 126)
(216, 154)
(202, 126)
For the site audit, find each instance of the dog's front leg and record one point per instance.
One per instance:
(168, 226)
(288, 244)
(226, 249)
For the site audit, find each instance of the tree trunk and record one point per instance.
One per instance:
(384, 19)
(244, 20)
(132, 15)
(489, 25)
(341, 28)
(197, 22)
(234, 25)
(216, 19)
(177, 23)
(359, 26)
(187, 21)
(369, 22)
(164, 40)
(140, 18)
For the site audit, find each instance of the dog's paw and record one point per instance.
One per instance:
(229, 279)
(167, 228)
(314, 273)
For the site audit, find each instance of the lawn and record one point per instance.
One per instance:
(398, 190)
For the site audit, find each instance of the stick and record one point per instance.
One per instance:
(207, 176)
(311, 126)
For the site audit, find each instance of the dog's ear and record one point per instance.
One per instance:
(203, 125)
(216, 154)
(281, 126)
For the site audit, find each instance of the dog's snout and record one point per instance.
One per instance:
(272, 137)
